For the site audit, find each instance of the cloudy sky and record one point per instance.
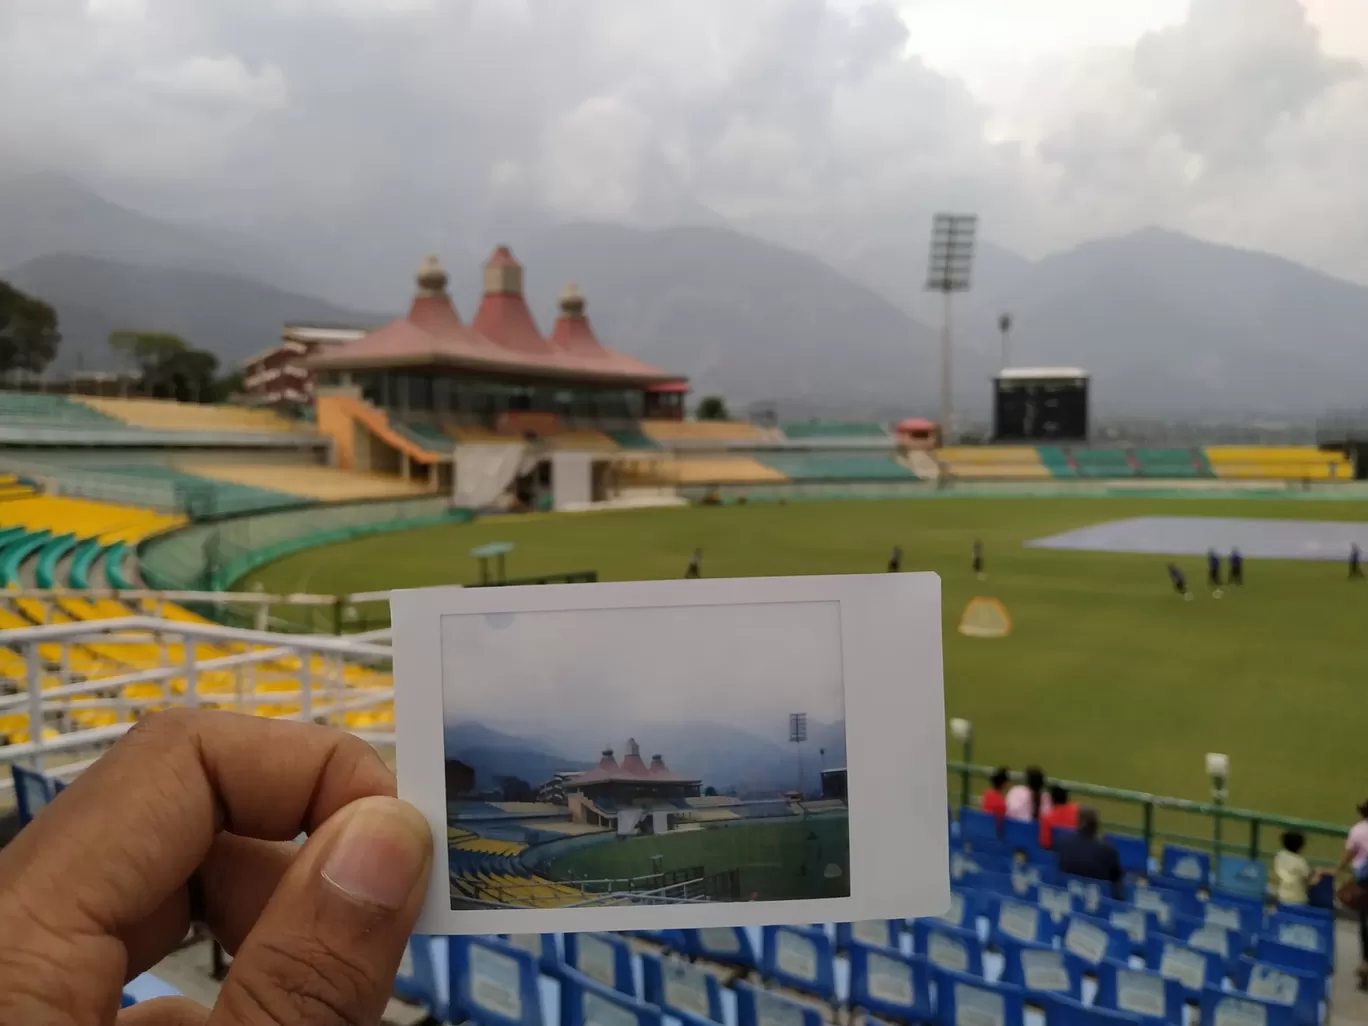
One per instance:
(745, 666)
(1237, 120)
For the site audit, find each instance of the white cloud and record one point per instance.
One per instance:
(220, 78)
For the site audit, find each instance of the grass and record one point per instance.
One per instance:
(775, 860)
(1107, 676)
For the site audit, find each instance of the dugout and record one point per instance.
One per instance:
(1041, 404)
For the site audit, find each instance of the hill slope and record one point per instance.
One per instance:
(228, 315)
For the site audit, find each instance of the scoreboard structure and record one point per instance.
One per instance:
(1041, 404)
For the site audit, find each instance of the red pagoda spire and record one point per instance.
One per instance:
(432, 308)
(607, 763)
(631, 762)
(503, 316)
(573, 333)
(658, 767)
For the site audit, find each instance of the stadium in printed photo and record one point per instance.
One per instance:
(631, 832)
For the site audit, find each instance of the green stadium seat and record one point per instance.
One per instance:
(207, 496)
(52, 410)
(53, 551)
(1179, 463)
(836, 466)
(425, 436)
(1056, 461)
(1102, 463)
(633, 438)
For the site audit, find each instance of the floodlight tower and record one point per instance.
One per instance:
(952, 260)
(797, 735)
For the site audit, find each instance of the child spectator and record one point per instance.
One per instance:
(994, 799)
(1063, 813)
(1291, 871)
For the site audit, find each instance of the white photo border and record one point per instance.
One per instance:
(895, 744)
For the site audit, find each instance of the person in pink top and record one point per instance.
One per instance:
(1028, 802)
(1355, 857)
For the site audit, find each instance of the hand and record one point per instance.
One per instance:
(95, 890)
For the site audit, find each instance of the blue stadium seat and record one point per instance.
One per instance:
(1301, 927)
(680, 987)
(977, 825)
(1267, 949)
(494, 983)
(1021, 836)
(1252, 910)
(1204, 936)
(1188, 866)
(1057, 901)
(1241, 917)
(1094, 941)
(1041, 867)
(586, 1002)
(32, 792)
(966, 866)
(1060, 1011)
(1136, 922)
(755, 1007)
(889, 985)
(1303, 990)
(884, 933)
(1238, 875)
(1225, 1006)
(947, 947)
(1140, 992)
(1011, 885)
(1194, 969)
(1088, 894)
(1039, 970)
(961, 998)
(727, 945)
(424, 976)
(603, 957)
(1019, 921)
(799, 958)
(1321, 894)
(542, 947)
(963, 912)
(1162, 901)
(1134, 853)
(672, 940)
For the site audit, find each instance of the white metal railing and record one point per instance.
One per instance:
(86, 667)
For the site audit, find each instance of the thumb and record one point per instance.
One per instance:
(327, 946)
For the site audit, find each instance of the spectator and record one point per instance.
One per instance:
(1084, 854)
(994, 799)
(1027, 802)
(1355, 857)
(1063, 813)
(1291, 871)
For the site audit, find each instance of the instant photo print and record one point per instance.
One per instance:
(670, 755)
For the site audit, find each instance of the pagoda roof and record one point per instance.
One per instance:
(503, 338)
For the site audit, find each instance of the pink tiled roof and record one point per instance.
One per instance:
(503, 338)
(632, 770)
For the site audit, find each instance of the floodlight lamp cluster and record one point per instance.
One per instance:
(952, 252)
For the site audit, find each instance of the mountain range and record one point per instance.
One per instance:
(1168, 325)
(723, 757)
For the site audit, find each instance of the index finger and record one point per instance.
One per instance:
(129, 832)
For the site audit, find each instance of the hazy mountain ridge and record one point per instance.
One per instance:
(1168, 325)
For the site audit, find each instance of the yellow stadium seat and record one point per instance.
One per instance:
(167, 415)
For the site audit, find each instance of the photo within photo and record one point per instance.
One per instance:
(645, 756)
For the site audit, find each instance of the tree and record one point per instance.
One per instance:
(713, 407)
(169, 366)
(28, 332)
(515, 789)
(709, 792)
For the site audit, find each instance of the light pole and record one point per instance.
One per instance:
(963, 732)
(1218, 769)
(797, 735)
(1005, 327)
(948, 272)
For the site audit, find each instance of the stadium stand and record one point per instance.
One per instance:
(169, 415)
(991, 461)
(1057, 462)
(835, 466)
(700, 470)
(1303, 463)
(1102, 462)
(210, 493)
(834, 429)
(325, 484)
(702, 431)
(633, 438)
(36, 408)
(1172, 463)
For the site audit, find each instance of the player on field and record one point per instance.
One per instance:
(1213, 569)
(695, 564)
(1179, 580)
(1236, 567)
(895, 560)
(1355, 561)
(978, 559)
